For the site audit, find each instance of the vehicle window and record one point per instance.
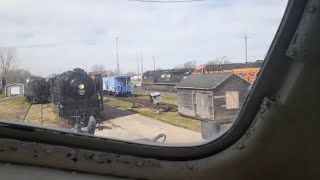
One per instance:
(133, 70)
(123, 80)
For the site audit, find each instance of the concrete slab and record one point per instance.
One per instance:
(136, 126)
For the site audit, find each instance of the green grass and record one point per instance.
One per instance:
(165, 99)
(172, 118)
(119, 103)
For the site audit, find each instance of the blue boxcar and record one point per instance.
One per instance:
(117, 85)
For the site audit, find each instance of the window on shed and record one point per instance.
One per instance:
(232, 99)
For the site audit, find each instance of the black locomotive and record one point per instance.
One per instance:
(164, 80)
(76, 95)
(37, 91)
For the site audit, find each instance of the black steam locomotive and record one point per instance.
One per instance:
(164, 80)
(37, 91)
(76, 96)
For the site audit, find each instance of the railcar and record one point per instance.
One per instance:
(117, 85)
(76, 96)
(247, 71)
(164, 80)
(37, 91)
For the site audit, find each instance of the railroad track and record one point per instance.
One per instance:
(41, 114)
(164, 107)
(28, 111)
(25, 116)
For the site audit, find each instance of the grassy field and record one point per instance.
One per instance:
(172, 118)
(49, 118)
(13, 108)
(165, 99)
(2, 95)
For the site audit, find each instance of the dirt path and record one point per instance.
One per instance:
(124, 124)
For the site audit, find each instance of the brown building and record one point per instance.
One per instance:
(215, 97)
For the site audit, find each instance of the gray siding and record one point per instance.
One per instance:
(185, 102)
(211, 104)
(233, 84)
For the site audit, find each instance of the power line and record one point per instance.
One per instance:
(138, 65)
(141, 62)
(118, 65)
(246, 46)
(154, 63)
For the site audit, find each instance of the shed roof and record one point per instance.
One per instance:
(205, 81)
(14, 84)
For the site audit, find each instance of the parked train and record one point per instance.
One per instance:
(76, 95)
(37, 91)
(117, 85)
(164, 80)
(247, 71)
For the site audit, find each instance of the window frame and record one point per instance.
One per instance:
(268, 82)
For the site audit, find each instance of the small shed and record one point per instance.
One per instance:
(14, 89)
(212, 97)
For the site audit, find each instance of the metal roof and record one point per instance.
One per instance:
(120, 76)
(204, 81)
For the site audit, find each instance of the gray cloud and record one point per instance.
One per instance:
(60, 35)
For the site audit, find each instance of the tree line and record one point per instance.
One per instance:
(215, 61)
(9, 71)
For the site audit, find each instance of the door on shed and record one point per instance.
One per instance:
(204, 105)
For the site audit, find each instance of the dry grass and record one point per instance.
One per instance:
(48, 117)
(13, 108)
(2, 95)
(172, 118)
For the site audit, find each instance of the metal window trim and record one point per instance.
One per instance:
(276, 65)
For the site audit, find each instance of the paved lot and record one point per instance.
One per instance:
(124, 124)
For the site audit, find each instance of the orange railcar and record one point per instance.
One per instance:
(246, 71)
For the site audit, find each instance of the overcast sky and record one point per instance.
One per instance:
(58, 35)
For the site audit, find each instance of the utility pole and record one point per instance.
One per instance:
(154, 63)
(118, 65)
(141, 62)
(246, 46)
(138, 65)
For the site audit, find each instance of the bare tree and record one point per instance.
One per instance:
(131, 73)
(188, 64)
(20, 76)
(98, 69)
(7, 61)
(220, 60)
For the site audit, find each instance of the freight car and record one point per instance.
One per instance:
(117, 85)
(247, 71)
(164, 80)
(76, 96)
(37, 91)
